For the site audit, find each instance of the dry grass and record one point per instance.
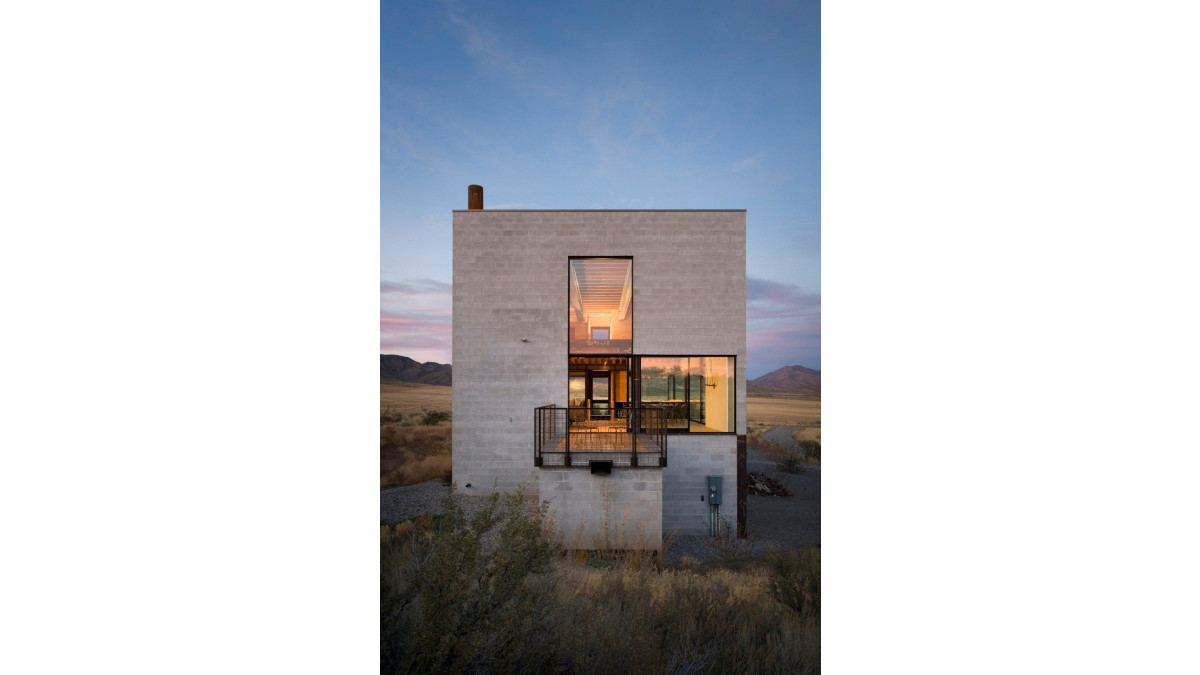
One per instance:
(790, 460)
(782, 410)
(623, 620)
(764, 412)
(407, 397)
(808, 433)
(450, 603)
(410, 453)
(411, 450)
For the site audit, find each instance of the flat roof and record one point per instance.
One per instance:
(610, 210)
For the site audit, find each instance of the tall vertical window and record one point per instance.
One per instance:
(600, 303)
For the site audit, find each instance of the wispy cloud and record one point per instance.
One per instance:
(783, 326)
(768, 349)
(490, 53)
(747, 162)
(481, 44)
(416, 333)
(615, 122)
(772, 300)
(414, 287)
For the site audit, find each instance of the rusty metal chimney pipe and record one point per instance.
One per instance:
(474, 196)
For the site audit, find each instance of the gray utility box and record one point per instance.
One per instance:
(714, 490)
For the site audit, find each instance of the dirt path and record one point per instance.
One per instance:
(782, 436)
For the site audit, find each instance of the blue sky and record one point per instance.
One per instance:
(602, 105)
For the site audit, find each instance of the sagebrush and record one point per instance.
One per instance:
(796, 580)
(490, 594)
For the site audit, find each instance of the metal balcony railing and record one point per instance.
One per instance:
(570, 437)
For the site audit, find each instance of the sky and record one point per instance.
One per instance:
(621, 105)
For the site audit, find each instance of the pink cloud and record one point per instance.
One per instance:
(783, 326)
(415, 319)
(414, 287)
(771, 299)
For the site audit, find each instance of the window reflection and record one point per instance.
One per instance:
(698, 391)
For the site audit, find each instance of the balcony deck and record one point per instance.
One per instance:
(559, 443)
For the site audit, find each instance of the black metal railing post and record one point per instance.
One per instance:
(633, 457)
(567, 440)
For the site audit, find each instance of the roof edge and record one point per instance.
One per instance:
(604, 210)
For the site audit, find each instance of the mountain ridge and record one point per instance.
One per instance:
(796, 379)
(404, 369)
(788, 379)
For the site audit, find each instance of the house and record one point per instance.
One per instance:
(599, 358)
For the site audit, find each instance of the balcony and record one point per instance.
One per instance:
(570, 437)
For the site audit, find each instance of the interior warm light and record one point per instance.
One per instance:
(600, 301)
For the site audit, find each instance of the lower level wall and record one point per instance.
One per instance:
(622, 510)
(691, 459)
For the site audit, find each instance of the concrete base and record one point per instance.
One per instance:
(622, 510)
(692, 459)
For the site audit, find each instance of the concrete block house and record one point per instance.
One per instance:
(599, 358)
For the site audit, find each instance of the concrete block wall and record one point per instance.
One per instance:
(621, 510)
(692, 459)
(510, 282)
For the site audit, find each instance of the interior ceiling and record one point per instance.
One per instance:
(599, 361)
(601, 284)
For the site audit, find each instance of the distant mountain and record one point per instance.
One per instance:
(404, 369)
(788, 379)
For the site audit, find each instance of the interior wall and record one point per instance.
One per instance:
(716, 408)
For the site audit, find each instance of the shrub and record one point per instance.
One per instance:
(469, 595)
(791, 462)
(454, 597)
(788, 459)
(433, 417)
(811, 449)
(389, 417)
(727, 543)
(796, 580)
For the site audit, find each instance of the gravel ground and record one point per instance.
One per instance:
(775, 523)
(410, 501)
(423, 499)
(783, 436)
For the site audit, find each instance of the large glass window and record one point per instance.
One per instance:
(576, 390)
(600, 303)
(664, 382)
(697, 391)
